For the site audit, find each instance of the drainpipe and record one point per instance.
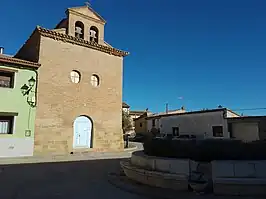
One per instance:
(30, 107)
(36, 86)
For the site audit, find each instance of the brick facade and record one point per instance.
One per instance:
(60, 101)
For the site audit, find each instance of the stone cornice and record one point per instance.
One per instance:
(86, 17)
(81, 42)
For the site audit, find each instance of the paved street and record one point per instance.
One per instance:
(87, 178)
(67, 180)
(63, 180)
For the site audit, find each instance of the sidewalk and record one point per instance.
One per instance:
(73, 157)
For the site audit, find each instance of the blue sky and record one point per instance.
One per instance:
(208, 52)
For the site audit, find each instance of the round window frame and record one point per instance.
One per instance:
(79, 77)
(98, 80)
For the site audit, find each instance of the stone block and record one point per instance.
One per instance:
(260, 169)
(222, 169)
(179, 166)
(162, 165)
(141, 160)
(154, 178)
(244, 169)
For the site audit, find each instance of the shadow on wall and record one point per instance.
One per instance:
(81, 179)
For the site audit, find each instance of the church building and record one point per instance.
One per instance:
(79, 85)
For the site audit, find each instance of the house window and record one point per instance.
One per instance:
(79, 30)
(95, 81)
(6, 124)
(217, 131)
(7, 79)
(153, 122)
(94, 34)
(175, 131)
(75, 76)
(140, 124)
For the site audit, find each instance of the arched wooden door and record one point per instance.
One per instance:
(82, 132)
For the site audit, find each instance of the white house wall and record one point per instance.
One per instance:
(126, 110)
(230, 114)
(196, 124)
(157, 124)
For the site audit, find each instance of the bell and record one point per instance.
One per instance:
(79, 30)
(93, 34)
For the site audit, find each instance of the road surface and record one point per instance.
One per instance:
(63, 180)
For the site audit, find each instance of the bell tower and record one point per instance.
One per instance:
(85, 23)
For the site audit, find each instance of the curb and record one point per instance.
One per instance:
(131, 148)
(125, 184)
(126, 153)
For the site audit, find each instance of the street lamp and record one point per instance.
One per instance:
(32, 81)
(26, 89)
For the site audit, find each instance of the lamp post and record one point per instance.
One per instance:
(26, 90)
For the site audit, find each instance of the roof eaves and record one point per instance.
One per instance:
(185, 113)
(73, 40)
(125, 105)
(21, 62)
(97, 14)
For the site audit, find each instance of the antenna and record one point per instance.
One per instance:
(166, 108)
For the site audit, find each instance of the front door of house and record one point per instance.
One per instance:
(82, 132)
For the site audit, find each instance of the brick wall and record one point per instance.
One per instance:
(60, 101)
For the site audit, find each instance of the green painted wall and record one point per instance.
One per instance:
(12, 100)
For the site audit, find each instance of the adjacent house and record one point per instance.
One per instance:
(125, 107)
(205, 123)
(136, 114)
(17, 106)
(248, 128)
(79, 85)
(133, 116)
(141, 122)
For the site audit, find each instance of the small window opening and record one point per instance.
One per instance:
(94, 34)
(79, 30)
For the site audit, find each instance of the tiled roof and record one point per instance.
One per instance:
(70, 39)
(137, 112)
(144, 115)
(186, 113)
(125, 105)
(170, 112)
(12, 60)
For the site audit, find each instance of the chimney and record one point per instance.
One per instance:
(166, 108)
(1, 50)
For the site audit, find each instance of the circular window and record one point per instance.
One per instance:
(75, 76)
(95, 81)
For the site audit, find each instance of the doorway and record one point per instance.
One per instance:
(82, 134)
